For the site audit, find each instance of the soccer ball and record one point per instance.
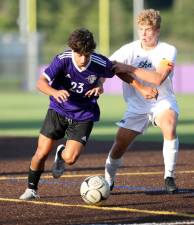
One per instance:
(94, 190)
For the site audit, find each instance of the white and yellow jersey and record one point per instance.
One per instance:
(136, 56)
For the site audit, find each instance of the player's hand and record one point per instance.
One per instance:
(119, 67)
(95, 91)
(61, 95)
(149, 92)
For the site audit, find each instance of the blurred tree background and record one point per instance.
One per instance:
(57, 18)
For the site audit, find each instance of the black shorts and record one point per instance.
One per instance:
(56, 127)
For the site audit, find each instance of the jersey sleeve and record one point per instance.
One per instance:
(169, 55)
(53, 69)
(108, 73)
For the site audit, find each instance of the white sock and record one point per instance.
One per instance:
(170, 154)
(111, 168)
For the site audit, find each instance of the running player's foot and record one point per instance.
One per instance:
(170, 185)
(58, 165)
(29, 194)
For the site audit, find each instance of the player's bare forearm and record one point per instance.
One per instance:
(149, 76)
(125, 77)
(44, 87)
(146, 91)
(154, 77)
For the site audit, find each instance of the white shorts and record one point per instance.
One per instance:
(140, 122)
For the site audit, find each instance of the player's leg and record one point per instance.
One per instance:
(77, 136)
(130, 126)
(50, 131)
(123, 139)
(45, 145)
(167, 121)
(66, 154)
(72, 151)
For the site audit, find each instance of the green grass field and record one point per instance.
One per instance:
(21, 114)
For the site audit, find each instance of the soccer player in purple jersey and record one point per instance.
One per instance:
(73, 81)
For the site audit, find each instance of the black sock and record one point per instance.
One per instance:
(33, 178)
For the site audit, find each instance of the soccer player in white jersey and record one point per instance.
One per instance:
(151, 62)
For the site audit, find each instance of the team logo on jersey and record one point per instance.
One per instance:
(91, 79)
(145, 64)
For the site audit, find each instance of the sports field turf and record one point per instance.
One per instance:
(138, 197)
(21, 114)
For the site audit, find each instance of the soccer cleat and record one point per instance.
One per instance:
(58, 165)
(170, 185)
(29, 194)
(112, 186)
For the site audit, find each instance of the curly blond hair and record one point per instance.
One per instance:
(149, 17)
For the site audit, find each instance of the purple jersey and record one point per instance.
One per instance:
(64, 74)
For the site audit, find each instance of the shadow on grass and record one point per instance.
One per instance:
(109, 125)
(98, 143)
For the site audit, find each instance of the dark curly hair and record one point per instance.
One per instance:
(82, 41)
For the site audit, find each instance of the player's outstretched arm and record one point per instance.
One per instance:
(155, 77)
(44, 87)
(146, 91)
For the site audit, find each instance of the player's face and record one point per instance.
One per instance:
(148, 36)
(81, 59)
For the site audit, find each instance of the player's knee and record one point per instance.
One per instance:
(169, 129)
(69, 159)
